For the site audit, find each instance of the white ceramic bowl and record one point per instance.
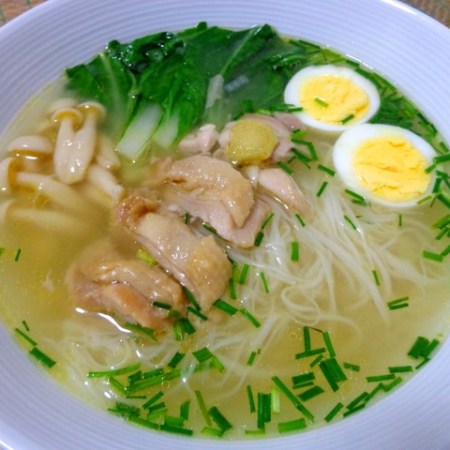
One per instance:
(403, 44)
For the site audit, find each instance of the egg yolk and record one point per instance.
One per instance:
(391, 168)
(333, 99)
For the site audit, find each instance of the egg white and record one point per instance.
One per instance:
(295, 84)
(348, 143)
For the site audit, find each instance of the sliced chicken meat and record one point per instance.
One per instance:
(102, 280)
(198, 263)
(215, 214)
(280, 185)
(201, 141)
(213, 180)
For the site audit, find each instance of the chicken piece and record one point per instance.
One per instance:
(216, 215)
(102, 280)
(214, 182)
(199, 264)
(281, 186)
(201, 141)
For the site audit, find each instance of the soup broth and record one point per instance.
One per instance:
(323, 316)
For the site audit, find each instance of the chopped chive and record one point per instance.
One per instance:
(301, 157)
(267, 220)
(311, 393)
(187, 326)
(353, 367)
(328, 344)
(316, 361)
(322, 188)
(178, 330)
(432, 256)
(300, 220)
(347, 119)
(114, 372)
(197, 313)
(353, 410)
(357, 198)
(117, 386)
(327, 170)
(146, 257)
(138, 329)
(444, 198)
(350, 222)
(202, 406)
(191, 298)
(258, 431)
(209, 431)
(184, 410)
(400, 369)
(252, 319)
(422, 347)
(18, 253)
(446, 251)
(219, 419)
(173, 421)
(259, 238)
(444, 147)
(307, 338)
(302, 380)
(232, 288)
(425, 199)
(275, 403)
(291, 425)
(308, 353)
(298, 134)
(362, 398)
(176, 359)
(264, 282)
(285, 167)
(225, 307)
(25, 325)
(143, 422)
(309, 146)
(293, 398)
(392, 385)
(378, 378)
(2, 250)
(151, 401)
(334, 412)
(332, 372)
(244, 273)
(376, 277)
(264, 413)
(162, 305)
(125, 410)
(186, 218)
(295, 251)
(401, 302)
(26, 337)
(202, 355)
(252, 357)
(400, 220)
(42, 357)
(251, 399)
(177, 430)
(320, 101)
(441, 158)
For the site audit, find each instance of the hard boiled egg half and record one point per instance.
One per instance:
(384, 163)
(332, 98)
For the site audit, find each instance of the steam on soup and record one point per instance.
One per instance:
(225, 233)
